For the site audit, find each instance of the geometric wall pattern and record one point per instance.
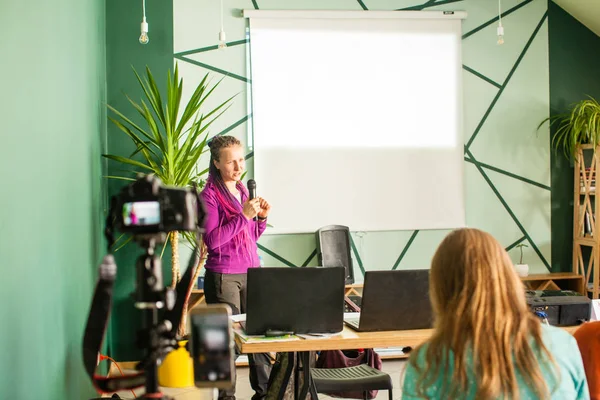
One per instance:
(505, 92)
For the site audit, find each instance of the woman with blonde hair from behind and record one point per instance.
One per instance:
(486, 343)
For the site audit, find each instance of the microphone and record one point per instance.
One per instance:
(252, 191)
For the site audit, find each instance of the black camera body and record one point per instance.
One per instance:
(146, 207)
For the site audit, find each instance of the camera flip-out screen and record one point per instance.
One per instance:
(141, 213)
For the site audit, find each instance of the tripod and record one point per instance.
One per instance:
(155, 336)
(151, 297)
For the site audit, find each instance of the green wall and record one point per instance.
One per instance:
(574, 72)
(123, 51)
(52, 132)
(505, 90)
(506, 94)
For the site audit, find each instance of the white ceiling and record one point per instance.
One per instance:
(586, 11)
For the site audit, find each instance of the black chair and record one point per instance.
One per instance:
(359, 378)
(334, 250)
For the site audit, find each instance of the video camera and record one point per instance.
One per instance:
(148, 211)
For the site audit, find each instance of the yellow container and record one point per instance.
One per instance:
(177, 369)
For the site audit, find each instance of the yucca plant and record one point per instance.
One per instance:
(169, 143)
(579, 126)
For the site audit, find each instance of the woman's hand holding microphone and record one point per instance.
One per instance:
(256, 207)
(251, 208)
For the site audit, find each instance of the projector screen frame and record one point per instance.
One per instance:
(358, 14)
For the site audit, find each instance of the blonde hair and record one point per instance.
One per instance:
(481, 317)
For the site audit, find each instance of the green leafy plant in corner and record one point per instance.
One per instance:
(579, 126)
(170, 141)
(520, 247)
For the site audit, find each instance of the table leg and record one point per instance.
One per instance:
(280, 376)
(297, 387)
(303, 389)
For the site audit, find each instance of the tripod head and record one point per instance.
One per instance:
(148, 211)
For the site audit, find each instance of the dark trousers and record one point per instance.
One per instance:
(231, 289)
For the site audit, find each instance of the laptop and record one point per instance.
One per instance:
(296, 300)
(394, 300)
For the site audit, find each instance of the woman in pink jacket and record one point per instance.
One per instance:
(230, 237)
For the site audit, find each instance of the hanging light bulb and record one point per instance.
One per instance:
(144, 39)
(500, 32)
(500, 29)
(222, 37)
(222, 40)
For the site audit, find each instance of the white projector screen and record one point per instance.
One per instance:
(357, 119)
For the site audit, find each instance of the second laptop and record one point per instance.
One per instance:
(394, 300)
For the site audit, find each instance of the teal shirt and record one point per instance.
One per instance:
(571, 385)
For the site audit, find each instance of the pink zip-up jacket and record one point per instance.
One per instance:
(223, 254)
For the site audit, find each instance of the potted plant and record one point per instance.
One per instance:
(522, 269)
(579, 126)
(169, 144)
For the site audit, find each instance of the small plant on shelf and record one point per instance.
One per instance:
(522, 269)
(520, 246)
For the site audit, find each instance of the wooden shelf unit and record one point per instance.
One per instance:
(555, 281)
(585, 207)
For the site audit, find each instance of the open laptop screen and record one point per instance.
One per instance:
(299, 300)
(396, 300)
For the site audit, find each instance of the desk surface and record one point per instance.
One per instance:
(348, 339)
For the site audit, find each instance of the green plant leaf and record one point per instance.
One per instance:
(128, 121)
(581, 125)
(204, 172)
(123, 178)
(120, 246)
(189, 239)
(129, 161)
(156, 137)
(152, 96)
(140, 144)
(193, 105)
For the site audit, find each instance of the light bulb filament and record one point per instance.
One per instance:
(144, 39)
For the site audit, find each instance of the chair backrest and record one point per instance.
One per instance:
(333, 249)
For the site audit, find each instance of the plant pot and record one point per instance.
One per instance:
(522, 269)
(177, 369)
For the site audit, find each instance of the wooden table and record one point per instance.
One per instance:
(348, 339)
